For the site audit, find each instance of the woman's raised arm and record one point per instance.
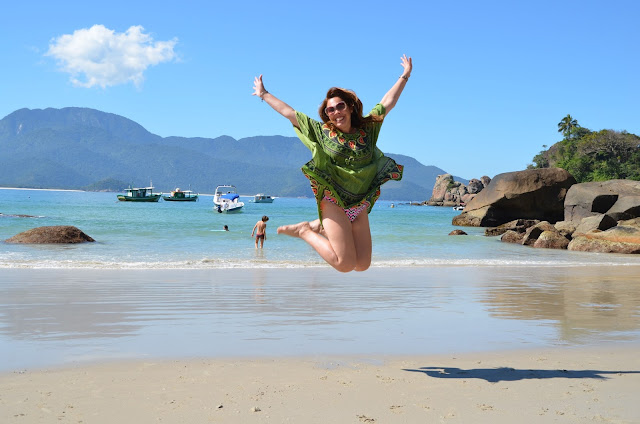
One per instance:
(391, 98)
(278, 105)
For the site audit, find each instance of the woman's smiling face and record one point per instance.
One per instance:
(339, 114)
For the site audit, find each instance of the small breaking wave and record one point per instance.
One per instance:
(208, 263)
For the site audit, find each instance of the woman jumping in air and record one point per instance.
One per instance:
(346, 170)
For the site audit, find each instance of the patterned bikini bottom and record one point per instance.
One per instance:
(352, 212)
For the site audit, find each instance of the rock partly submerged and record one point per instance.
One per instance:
(623, 238)
(531, 194)
(51, 234)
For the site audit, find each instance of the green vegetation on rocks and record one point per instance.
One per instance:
(592, 155)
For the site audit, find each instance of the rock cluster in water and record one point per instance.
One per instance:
(447, 192)
(546, 208)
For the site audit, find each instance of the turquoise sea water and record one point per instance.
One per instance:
(164, 281)
(189, 235)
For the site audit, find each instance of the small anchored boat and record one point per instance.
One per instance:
(178, 195)
(262, 198)
(139, 194)
(226, 199)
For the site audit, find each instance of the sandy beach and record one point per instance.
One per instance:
(393, 345)
(542, 386)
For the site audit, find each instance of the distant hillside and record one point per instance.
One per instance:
(80, 148)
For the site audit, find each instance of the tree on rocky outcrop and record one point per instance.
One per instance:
(566, 125)
(541, 160)
(601, 156)
(592, 156)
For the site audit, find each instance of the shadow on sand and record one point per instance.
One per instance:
(495, 375)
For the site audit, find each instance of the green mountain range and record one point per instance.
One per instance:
(80, 148)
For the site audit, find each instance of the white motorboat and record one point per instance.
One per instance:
(226, 199)
(262, 198)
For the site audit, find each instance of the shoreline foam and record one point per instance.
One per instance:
(221, 264)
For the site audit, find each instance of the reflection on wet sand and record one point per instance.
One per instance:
(42, 310)
(578, 301)
(221, 312)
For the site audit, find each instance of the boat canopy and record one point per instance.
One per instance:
(229, 196)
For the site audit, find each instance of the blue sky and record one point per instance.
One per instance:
(491, 79)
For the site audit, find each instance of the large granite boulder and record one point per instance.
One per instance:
(517, 225)
(619, 239)
(512, 237)
(538, 234)
(466, 198)
(53, 234)
(599, 222)
(448, 192)
(475, 186)
(626, 207)
(618, 198)
(531, 194)
(454, 194)
(565, 227)
(551, 240)
(443, 182)
(532, 233)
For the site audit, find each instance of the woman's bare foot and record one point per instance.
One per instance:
(316, 226)
(295, 230)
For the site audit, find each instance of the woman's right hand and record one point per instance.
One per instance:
(278, 105)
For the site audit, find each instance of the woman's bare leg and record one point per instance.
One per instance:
(338, 247)
(362, 240)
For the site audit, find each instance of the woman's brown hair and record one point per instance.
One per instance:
(350, 98)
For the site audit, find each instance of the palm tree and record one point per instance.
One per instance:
(566, 125)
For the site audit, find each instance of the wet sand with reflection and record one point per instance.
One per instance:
(58, 317)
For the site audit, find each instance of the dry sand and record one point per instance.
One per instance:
(558, 385)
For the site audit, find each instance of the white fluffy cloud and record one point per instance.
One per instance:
(100, 56)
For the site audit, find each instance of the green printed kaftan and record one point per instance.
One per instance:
(347, 168)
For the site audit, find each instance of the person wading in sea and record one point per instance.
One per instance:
(260, 230)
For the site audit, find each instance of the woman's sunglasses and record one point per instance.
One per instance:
(339, 107)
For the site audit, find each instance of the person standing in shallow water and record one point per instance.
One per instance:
(260, 230)
(346, 170)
